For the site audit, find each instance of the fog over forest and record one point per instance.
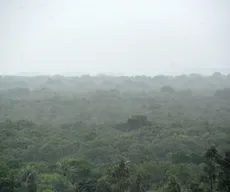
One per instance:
(114, 96)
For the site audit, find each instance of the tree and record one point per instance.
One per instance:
(52, 181)
(74, 171)
(224, 176)
(173, 186)
(223, 93)
(29, 178)
(217, 75)
(120, 178)
(194, 187)
(7, 182)
(137, 185)
(88, 185)
(167, 89)
(211, 156)
(116, 180)
(180, 157)
(137, 121)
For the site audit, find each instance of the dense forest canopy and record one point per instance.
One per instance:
(115, 134)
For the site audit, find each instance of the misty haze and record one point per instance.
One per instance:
(114, 96)
(114, 37)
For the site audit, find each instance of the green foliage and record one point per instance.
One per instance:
(88, 185)
(7, 183)
(28, 178)
(120, 178)
(224, 175)
(173, 186)
(195, 187)
(51, 181)
(210, 169)
(137, 121)
(64, 134)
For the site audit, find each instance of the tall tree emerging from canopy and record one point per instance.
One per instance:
(173, 186)
(210, 169)
(117, 180)
(121, 178)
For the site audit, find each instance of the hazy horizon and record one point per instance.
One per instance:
(73, 74)
(115, 37)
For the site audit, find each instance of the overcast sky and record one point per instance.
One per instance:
(115, 36)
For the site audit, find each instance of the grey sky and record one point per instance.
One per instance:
(118, 36)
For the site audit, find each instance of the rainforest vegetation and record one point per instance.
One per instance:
(115, 134)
